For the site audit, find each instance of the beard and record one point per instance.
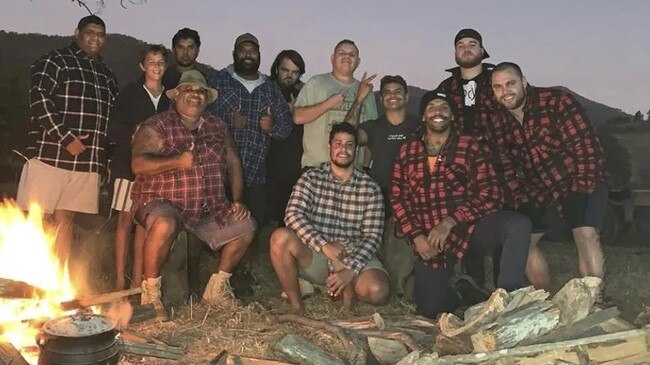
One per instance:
(246, 69)
(469, 63)
(343, 165)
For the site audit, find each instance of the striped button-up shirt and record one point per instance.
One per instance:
(553, 152)
(323, 209)
(252, 142)
(71, 95)
(463, 186)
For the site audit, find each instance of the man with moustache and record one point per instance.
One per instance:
(255, 111)
(334, 221)
(284, 155)
(181, 158)
(186, 45)
(327, 99)
(136, 103)
(70, 98)
(446, 197)
(553, 164)
(383, 137)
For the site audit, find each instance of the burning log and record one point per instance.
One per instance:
(14, 289)
(90, 300)
(10, 356)
(152, 349)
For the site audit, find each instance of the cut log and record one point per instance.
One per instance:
(404, 338)
(451, 325)
(14, 289)
(225, 358)
(526, 323)
(523, 296)
(90, 300)
(387, 352)
(382, 322)
(622, 348)
(576, 298)
(152, 349)
(142, 313)
(332, 329)
(457, 345)
(10, 356)
(298, 350)
(576, 329)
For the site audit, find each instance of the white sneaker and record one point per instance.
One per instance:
(306, 288)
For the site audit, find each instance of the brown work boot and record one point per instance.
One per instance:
(219, 292)
(151, 295)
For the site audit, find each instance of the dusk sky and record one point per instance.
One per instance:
(600, 49)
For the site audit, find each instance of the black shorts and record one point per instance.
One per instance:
(550, 219)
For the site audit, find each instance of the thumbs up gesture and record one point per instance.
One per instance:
(266, 121)
(238, 119)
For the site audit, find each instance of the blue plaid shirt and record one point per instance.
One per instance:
(253, 143)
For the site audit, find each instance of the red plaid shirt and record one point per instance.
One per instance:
(463, 186)
(197, 189)
(552, 153)
(453, 85)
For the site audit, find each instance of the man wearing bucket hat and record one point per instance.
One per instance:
(180, 158)
(446, 197)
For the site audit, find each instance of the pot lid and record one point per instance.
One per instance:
(78, 325)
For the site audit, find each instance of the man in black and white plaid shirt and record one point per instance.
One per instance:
(335, 221)
(72, 92)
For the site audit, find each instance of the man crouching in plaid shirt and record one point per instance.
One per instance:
(334, 222)
(446, 198)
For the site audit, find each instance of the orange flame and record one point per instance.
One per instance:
(27, 253)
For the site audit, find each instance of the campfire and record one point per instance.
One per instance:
(33, 282)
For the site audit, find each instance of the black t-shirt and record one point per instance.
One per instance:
(384, 141)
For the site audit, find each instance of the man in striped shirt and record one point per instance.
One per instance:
(334, 222)
(70, 98)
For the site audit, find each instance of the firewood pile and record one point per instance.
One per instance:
(526, 326)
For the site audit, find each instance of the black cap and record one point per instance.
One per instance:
(471, 33)
(430, 96)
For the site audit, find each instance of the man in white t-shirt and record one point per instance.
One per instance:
(326, 99)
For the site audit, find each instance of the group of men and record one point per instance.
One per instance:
(486, 165)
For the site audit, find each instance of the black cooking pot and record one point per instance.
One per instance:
(79, 339)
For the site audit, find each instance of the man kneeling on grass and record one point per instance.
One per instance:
(180, 158)
(334, 222)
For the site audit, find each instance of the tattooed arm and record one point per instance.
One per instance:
(365, 88)
(144, 154)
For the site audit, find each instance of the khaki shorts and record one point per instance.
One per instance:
(54, 188)
(316, 272)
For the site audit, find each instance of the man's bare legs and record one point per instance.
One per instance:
(590, 253)
(287, 254)
(138, 255)
(372, 287)
(157, 244)
(233, 252)
(536, 266)
(64, 219)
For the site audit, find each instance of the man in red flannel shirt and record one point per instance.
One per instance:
(446, 198)
(552, 163)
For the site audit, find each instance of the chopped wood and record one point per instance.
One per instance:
(332, 329)
(382, 322)
(10, 356)
(152, 349)
(142, 313)
(616, 325)
(14, 289)
(576, 298)
(621, 348)
(224, 358)
(451, 325)
(523, 296)
(528, 322)
(90, 300)
(386, 351)
(298, 350)
(404, 338)
(576, 329)
(457, 345)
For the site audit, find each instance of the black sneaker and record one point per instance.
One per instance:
(468, 291)
(241, 282)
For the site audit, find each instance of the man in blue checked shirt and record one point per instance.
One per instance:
(335, 220)
(255, 111)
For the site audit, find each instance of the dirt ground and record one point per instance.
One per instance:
(251, 331)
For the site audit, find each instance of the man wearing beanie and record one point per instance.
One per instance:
(446, 198)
